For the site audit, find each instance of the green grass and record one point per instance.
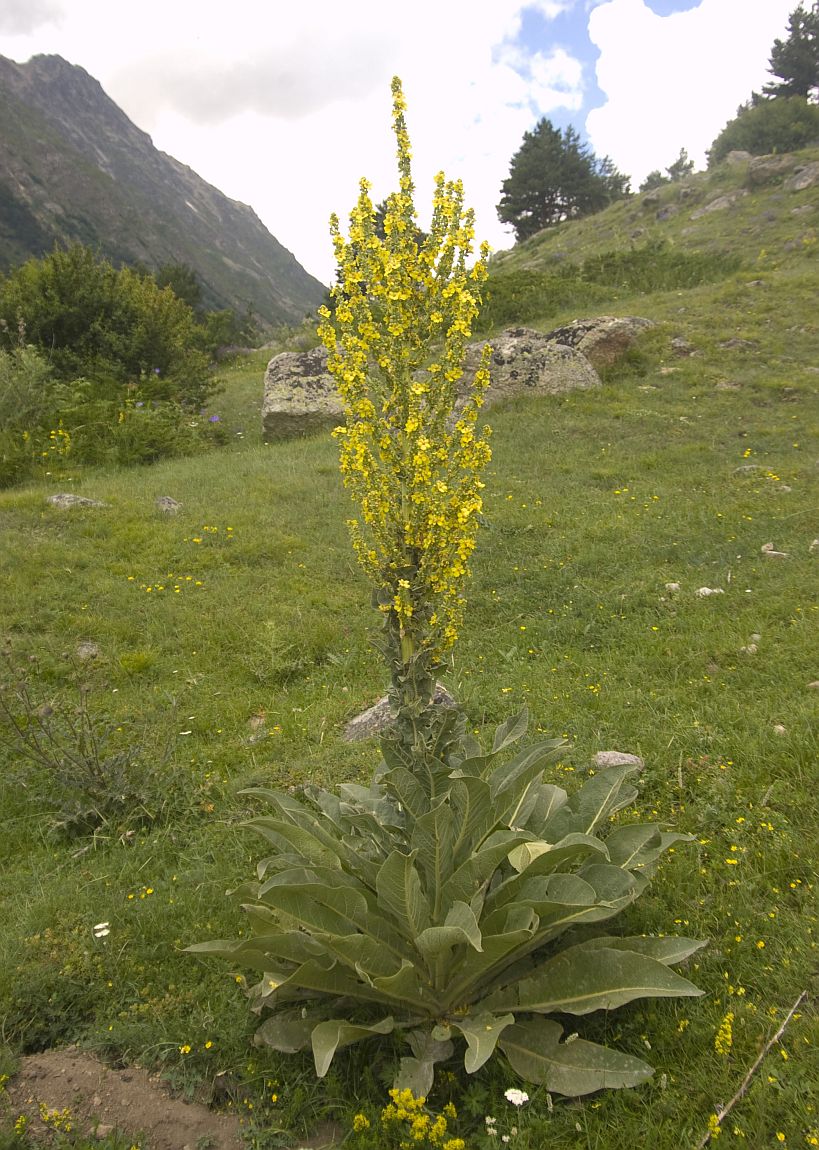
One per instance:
(594, 502)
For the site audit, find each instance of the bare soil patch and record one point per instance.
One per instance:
(102, 1099)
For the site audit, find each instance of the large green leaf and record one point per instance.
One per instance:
(586, 809)
(580, 980)
(333, 910)
(639, 845)
(544, 859)
(417, 1073)
(408, 791)
(460, 926)
(327, 1037)
(287, 1031)
(510, 731)
(432, 845)
(668, 948)
(612, 885)
(264, 951)
(549, 801)
(508, 781)
(474, 966)
(574, 1067)
(285, 835)
(369, 958)
(475, 871)
(407, 987)
(481, 1032)
(473, 814)
(400, 894)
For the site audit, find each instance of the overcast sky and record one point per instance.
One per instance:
(284, 106)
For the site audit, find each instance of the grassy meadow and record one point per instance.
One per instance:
(231, 647)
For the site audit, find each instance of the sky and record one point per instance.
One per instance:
(286, 106)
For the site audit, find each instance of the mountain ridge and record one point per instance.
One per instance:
(75, 168)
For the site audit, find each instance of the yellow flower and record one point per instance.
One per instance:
(361, 1122)
(411, 467)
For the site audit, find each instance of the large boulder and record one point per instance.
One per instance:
(767, 169)
(720, 204)
(300, 395)
(602, 340)
(805, 177)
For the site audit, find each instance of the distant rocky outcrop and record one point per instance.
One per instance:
(300, 395)
(73, 168)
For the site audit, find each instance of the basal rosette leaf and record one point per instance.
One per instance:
(481, 1031)
(580, 980)
(574, 1067)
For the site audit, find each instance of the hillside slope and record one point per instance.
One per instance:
(73, 167)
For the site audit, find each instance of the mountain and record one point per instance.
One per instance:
(74, 168)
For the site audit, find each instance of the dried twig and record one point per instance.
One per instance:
(726, 1110)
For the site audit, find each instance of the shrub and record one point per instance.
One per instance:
(784, 124)
(116, 327)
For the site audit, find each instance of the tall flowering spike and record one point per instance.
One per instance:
(410, 453)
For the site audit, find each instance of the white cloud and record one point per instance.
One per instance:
(674, 81)
(21, 17)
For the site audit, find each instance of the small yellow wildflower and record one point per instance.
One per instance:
(361, 1122)
(724, 1038)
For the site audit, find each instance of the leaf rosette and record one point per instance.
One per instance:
(470, 902)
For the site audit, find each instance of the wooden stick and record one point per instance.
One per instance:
(726, 1110)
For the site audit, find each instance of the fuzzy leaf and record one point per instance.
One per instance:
(581, 980)
(417, 1073)
(460, 926)
(285, 1032)
(573, 1068)
(283, 835)
(638, 846)
(669, 949)
(481, 1032)
(400, 894)
(510, 731)
(432, 845)
(473, 815)
(327, 1037)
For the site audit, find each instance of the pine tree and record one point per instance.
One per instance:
(554, 176)
(795, 61)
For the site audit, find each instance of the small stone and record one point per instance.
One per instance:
(66, 499)
(96, 1100)
(728, 385)
(604, 759)
(748, 469)
(751, 649)
(813, 547)
(168, 505)
(88, 649)
(784, 488)
(672, 587)
(814, 686)
(704, 592)
(755, 638)
(103, 1132)
(779, 729)
(769, 550)
(681, 346)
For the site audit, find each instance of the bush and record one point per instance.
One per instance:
(117, 328)
(780, 125)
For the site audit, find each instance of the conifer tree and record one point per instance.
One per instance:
(795, 61)
(554, 176)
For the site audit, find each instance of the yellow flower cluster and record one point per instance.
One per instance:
(724, 1038)
(410, 453)
(422, 1127)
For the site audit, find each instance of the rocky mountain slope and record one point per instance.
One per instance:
(73, 167)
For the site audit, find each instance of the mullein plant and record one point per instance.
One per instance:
(459, 897)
